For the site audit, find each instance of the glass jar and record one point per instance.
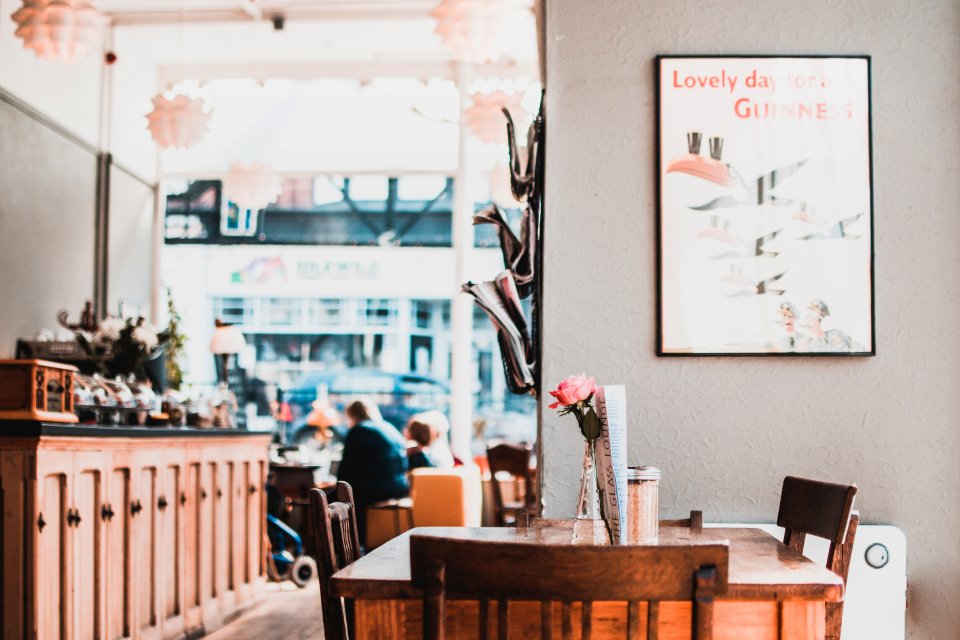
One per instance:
(643, 505)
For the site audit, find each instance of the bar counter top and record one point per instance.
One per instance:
(31, 429)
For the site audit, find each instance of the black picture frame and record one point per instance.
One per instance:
(867, 350)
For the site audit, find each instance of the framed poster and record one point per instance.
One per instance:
(766, 205)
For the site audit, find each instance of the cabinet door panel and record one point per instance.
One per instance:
(255, 519)
(53, 579)
(208, 519)
(246, 525)
(230, 532)
(86, 533)
(117, 560)
(145, 553)
(191, 509)
(169, 554)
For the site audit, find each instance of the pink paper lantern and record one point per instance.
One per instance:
(252, 186)
(179, 122)
(59, 29)
(479, 31)
(486, 120)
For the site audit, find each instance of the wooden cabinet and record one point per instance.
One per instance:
(112, 537)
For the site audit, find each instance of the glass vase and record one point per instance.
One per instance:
(589, 527)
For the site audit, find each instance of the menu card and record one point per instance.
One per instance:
(611, 404)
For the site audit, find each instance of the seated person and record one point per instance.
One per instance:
(374, 459)
(429, 431)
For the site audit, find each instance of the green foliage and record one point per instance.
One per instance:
(176, 341)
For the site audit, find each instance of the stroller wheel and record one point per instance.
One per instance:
(304, 570)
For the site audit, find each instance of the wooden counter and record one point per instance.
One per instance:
(118, 532)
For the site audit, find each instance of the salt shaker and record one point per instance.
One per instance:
(643, 505)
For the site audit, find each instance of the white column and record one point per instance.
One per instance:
(462, 374)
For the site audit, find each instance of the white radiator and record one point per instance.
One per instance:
(876, 601)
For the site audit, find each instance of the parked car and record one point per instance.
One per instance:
(399, 396)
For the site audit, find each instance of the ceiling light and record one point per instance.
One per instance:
(179, 122)
(480, 31)
(59, 29)
(486, 120)
(252, 186)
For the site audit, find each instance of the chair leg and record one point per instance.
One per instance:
(433, 603)
(706, 583)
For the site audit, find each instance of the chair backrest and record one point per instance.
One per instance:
(834, 610)
(335, 532)
(446, 497)
(515, 460)
(505, 571)
(820, 509)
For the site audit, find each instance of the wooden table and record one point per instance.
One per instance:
(774, 593)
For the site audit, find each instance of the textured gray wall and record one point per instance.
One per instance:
(47, 208)
(725, 431)
(130, 261)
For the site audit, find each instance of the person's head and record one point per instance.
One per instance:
(419, 432)
(788, 315)
(362, 410)
(430, 426)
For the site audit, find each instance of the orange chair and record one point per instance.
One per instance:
(439, 498)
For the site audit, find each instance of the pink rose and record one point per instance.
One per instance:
(573, 390)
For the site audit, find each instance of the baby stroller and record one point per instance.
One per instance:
(286, 560)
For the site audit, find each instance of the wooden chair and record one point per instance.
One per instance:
(515, 460)
(335, 531)
(485, 571)
(824, 510)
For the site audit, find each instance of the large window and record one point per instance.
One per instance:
(361, 210)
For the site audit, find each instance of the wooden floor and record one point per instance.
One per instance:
(288, 613)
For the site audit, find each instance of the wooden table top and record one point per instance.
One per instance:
(761, 567)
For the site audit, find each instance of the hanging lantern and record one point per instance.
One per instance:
(252, 186)
(479, 31)
(178, 122)
(59, 29)
(485, 118)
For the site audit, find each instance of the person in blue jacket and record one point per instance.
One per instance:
(374, 459)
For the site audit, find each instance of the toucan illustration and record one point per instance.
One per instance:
(696, 165)
(752, 192)
(744, 248)
(836, 231)
(751, 288)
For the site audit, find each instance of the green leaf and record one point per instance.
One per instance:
(590, 425)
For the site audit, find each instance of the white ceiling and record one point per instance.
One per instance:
(295, 9)
(235, 38)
